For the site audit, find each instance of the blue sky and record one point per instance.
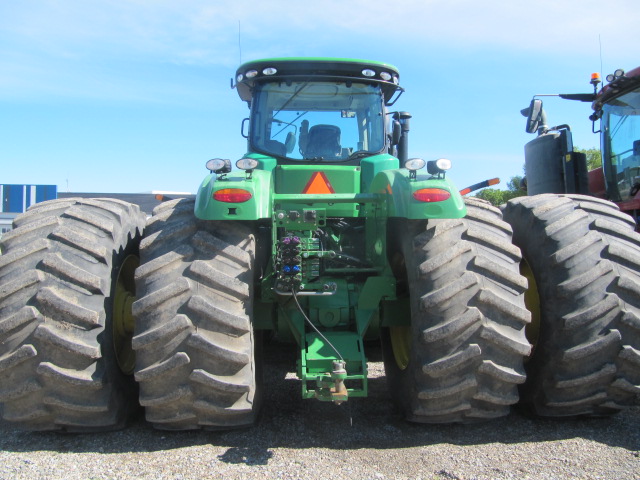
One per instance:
(134, 95)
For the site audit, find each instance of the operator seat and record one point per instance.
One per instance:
(323, 141)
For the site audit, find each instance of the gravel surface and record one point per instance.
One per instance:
(298, 439)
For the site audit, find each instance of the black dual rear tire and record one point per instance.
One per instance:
(461, 359)
(194, 341)
(60, 281)
(584, 256)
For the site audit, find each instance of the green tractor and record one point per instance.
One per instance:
(327, 236)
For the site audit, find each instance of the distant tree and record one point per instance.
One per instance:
(594, 157)
(514, 186)
(497, 197)
(492, 195)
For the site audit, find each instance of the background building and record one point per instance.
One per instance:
(18, 198)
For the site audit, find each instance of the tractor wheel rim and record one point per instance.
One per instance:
(400, 336)
(532, 302)
(401, 345)
(123, 321)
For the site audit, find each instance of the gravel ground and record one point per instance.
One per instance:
(362, 439)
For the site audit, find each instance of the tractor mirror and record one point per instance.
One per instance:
(535, 115)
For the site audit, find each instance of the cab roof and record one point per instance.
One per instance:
(621, 85)
(306, 68)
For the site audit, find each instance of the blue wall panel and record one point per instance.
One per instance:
(17, 198)
(46, 192)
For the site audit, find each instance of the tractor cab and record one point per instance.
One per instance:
(618, 106)
(333, 113)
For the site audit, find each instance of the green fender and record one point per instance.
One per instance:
(400, 201)
(259, 185)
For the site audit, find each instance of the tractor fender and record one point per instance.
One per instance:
(257, 206)
(399, 189)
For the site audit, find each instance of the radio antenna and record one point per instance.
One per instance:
(239, 43)
(600, 43)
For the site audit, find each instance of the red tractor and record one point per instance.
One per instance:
(581, 255)
(553, 167)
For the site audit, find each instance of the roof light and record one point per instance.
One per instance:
(247, 163)
(232, 195)
(367, 72)
(269, 71)
(438, 166)
(251, 73)
(239, 78)
(414, 164)
(219, 165)
(429, 195)
(395, 80)
(615, 75)
(595, 78)
(385, 76)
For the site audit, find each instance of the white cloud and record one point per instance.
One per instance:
(44, 44)
(204, 31)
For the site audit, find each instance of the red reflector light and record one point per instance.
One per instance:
(232, 195)
(431, 195)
